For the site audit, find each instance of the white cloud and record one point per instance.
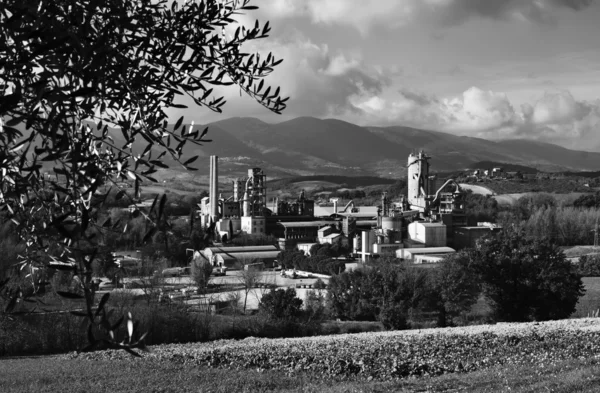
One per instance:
(557, 108)
(364, 15)
(480, 110)
(556, 117)
(320, 82)
(339, 65)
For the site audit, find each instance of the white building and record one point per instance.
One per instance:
(430, 234)
(412, 254)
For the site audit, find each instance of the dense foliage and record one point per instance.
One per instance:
(387, 293)
(281, 304)
(456, 287)
(201, 269)
(588, 266)
(526, 279)
(85, 93)
(522, 279)
(480, 208)
(588, 201)
(322, 259)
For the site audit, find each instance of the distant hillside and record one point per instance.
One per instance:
(350, 182)
(331, 146)
(592, 174)
(506, 166)
(307, 146)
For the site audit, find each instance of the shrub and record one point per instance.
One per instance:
(589, 266)
(319, 284)
(201, 270)
(526, 279)
(281, 304)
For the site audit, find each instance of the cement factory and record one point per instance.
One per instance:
(422, 228)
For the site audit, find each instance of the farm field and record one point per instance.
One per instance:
(561, 356)
(477, 189)
(564, 199)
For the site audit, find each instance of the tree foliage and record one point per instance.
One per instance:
(588, 201)
(589, 265)
(281, 304)
(480, 207)
(201, 270)
(526, 279)
(321, 260)
(386, 293)
(85, 91)
(455, 287)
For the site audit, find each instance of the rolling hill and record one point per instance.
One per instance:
(327, 146)
(307, 146)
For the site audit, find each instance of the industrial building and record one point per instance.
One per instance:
(235, 257)
(421, 227)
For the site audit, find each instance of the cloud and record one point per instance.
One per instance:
(365, 15)
(319, 81)
(557, 108)
(556, 117)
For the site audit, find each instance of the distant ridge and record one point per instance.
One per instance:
(307, 146)
(505, 166)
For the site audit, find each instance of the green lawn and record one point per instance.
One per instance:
(55, 374)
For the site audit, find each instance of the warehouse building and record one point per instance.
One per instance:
(412, 254)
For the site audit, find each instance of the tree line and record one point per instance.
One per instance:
(520, 278)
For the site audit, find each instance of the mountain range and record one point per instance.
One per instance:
(308, 145)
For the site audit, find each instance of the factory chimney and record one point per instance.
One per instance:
(214, 188)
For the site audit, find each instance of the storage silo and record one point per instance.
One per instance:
(418, 180)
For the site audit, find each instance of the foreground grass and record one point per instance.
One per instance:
(53, 374)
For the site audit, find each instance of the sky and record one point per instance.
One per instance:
(495, 69)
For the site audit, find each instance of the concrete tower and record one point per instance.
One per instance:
(418, 181)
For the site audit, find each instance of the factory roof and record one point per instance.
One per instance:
(304, 224)
(325, 228)
(365, 214)
(429, 224)
(248, 255)
(225, 250)
(363, 211)
(332, 236)
(429, 250)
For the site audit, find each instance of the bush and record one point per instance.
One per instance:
(319, 284)
(281, 304)
(455, 287)
(526, 279)
(387, 293)
(393, 316)
(201, 271)
(588, 266)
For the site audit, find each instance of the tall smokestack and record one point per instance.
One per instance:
(214, 187)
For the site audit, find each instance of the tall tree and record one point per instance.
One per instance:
(455, 288)
(85, 91)
(526, 279)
